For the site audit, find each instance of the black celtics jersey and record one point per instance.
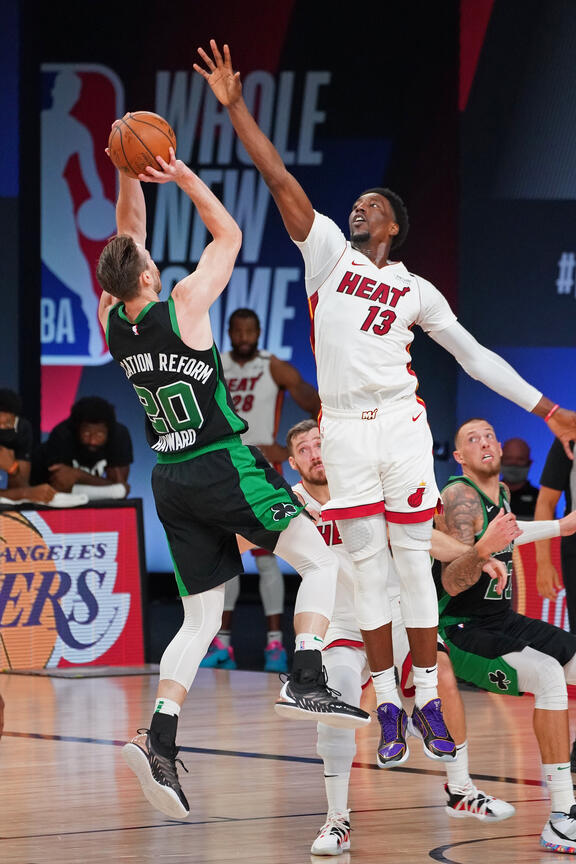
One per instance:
(182, 390)
(481, 599)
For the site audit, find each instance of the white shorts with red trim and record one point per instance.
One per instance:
(379, 461)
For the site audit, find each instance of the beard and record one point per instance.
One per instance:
(245, 350)
(315, 476)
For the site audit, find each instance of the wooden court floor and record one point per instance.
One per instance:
(254, 784)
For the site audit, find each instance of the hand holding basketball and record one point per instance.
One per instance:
(137, 139)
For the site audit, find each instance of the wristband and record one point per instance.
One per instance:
(551, 412)
(13, 468)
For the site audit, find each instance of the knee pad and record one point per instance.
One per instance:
(363, 538)
(541, 675)
(410, 535)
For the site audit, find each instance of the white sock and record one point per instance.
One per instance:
(309, 642)
(274, 636)
(167, 706)
(559, 782)
(337, 792)
(224, 637)
(425, 683)
(385, 687)
(457, 770)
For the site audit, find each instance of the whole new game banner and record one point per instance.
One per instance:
(70, 587)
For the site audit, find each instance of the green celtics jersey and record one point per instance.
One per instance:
(182, 390)
(481, 599)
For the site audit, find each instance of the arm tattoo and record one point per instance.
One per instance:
(463, 518)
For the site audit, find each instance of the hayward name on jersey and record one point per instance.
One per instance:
(255, 395)
(182, 390)
(362, 319)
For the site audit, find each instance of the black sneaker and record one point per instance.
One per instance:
(316, 701)
(157, 775)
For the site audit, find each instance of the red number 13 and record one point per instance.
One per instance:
(387, 315)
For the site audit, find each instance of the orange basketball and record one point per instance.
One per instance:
(136, 141)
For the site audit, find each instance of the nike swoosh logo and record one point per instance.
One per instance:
(418, 415)
(432, 670)
(358, 264)
(489, 509)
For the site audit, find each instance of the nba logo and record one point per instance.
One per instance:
(79, 103)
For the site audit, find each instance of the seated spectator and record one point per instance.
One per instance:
(90, 452)
(16, 441)
(516, 464)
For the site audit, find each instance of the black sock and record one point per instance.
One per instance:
(306, 667)
(163, 733)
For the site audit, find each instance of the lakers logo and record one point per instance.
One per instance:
(415, 498)
(57, 598)
(28, 630)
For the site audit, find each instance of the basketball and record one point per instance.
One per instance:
(135, 142)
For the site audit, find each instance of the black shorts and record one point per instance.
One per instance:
(477, 647)
(205, 501)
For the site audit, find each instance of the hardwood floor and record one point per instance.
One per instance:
(254, 784)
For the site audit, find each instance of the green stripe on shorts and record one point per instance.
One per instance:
(182, 590)
(258, 491)
(492, 674)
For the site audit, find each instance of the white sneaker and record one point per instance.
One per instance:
(334, 836)
(470, 801)
(559, 834)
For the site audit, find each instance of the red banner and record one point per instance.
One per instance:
(70, 588)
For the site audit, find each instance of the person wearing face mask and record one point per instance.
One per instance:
(516, 464)
(16, 441)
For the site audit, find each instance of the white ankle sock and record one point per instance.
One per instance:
(385, 687)
(309, 642)
(457, 770)
(274, 636)
(425, 683)
(337, 791)
(167, 706)
(559, 782)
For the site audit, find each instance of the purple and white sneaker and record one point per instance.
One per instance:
(428, 723)
(392, 749)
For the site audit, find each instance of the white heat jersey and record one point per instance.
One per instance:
(343, 624)
(256, 396)
(362, 319)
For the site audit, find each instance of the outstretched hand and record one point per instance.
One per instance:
(563, 425)
(223, 81)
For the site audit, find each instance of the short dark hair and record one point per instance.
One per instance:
(93, 409)
(243, 313)
(119, 267)
(465, 423)
(10, 402)
(299, 429)
(399, 210)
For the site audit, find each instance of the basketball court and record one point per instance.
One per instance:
(254, 784)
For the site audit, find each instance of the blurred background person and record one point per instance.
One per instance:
(516, 464)
(89, 452)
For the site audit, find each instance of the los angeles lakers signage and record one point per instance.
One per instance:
(70, 588)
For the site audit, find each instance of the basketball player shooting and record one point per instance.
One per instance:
(376, 443)
(207, 485)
